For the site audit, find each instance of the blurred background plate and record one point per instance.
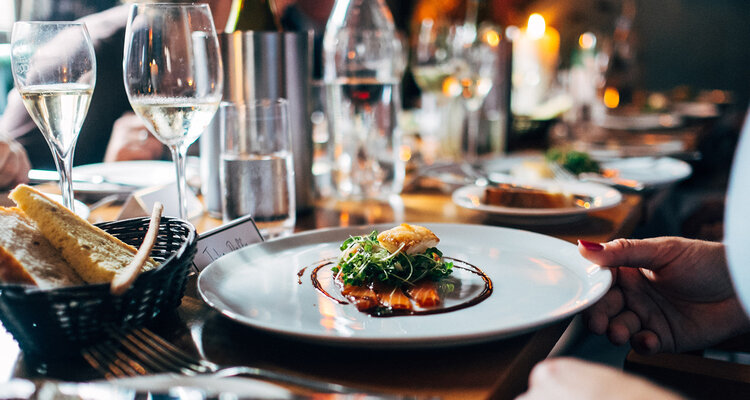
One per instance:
(603, 197)
(650, 171)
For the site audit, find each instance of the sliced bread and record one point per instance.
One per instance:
(27, 257)
(93, 253)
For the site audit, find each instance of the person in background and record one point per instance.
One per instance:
(111, 131)
(109, 101)
(669, 294)
(14, 164)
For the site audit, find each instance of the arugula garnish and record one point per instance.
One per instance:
(364, 260)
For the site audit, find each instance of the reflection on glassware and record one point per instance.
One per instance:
(54, 69)
(173, 75)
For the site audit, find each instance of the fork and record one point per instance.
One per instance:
(561, 174)
(139, 351)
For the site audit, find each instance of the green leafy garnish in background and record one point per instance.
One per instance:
(363, 260)
(574, 161)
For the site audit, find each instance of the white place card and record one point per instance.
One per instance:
(225, 239)
(141, 202)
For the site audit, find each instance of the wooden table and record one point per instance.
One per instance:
(497, 369)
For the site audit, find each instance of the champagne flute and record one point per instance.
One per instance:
(173, 75)
(54, 69)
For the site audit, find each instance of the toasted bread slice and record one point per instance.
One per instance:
(94, 254)
(27, 257)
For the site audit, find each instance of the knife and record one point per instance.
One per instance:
(43, 176)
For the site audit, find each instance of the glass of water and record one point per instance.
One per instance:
(256, 170)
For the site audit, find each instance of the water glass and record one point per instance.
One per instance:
(256, 169)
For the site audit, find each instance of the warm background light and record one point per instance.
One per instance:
(587, 41)
(611, 97)
(536, 26)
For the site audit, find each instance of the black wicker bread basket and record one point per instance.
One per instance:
(57, 322)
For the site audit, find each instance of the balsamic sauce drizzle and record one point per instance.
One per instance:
(387, 312)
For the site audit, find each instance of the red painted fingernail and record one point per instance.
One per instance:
(590, 246)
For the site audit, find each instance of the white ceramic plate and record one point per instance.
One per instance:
(536, 280)
(650, 171)
(131, 173)
(81, 209)
(602, 197)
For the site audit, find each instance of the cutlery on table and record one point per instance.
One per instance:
(43, 176)
(139, 351)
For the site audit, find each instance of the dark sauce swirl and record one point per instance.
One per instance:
(389, 312)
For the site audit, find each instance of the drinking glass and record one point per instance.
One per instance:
(173, 75)
(432, 64)
(54, 69)
(256, 170)
(474, 68)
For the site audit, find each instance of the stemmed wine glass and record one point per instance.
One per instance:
(54, 69)
(173, 75)
(431, 65)
(475, 65)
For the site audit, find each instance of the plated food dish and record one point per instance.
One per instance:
(542, 202)
(397, 272)
(648, 172)
(536, 280)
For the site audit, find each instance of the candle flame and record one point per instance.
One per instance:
(536, 26)
(492, 38)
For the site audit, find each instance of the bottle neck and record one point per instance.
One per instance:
(253, 15)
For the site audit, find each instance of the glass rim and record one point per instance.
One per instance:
(264, 102)
(170, 5)
(68, 23)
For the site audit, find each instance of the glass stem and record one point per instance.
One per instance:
(179, 155)
(472, 136)
(64, 168)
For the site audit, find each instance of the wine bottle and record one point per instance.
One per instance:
(253, 15)
(620, 79)
(362, 92)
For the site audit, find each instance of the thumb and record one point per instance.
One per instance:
(650, 254)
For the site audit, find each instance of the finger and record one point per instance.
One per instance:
(8, 169)
(623, 327)
(22, 175)
(597, 316)
(647, 253)
(646, 342)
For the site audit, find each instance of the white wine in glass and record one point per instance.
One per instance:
(175, 120)
(173, 75)
(54, 69)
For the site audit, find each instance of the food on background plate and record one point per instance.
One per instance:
(95, 255)
(532, 170)
(397, 269)
(576, 162)
(507, 195)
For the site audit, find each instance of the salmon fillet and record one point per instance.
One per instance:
(425, 293)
